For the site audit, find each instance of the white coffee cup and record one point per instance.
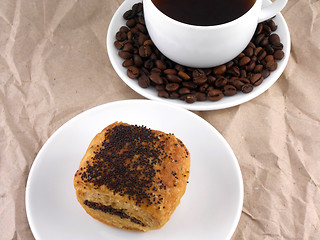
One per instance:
(205, 46)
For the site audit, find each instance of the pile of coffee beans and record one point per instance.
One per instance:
(151, 68)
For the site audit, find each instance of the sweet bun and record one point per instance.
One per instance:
(132, 177)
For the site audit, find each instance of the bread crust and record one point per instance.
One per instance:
(132, 177)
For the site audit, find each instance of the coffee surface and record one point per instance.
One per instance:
(204, 12)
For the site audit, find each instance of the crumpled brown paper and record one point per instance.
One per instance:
(53, 65)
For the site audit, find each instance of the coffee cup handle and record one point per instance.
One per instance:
(271, 10)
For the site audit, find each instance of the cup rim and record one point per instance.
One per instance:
(200, 26)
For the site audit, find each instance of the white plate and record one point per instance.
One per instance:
(226, 102)
(210, 209)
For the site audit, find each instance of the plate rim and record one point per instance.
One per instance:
(194, 106)
(37, 160)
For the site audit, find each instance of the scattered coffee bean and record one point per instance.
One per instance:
(278, 55)
(144, 81)
(133, 72)
(220, 70)
(163, 93)
(215, 95)
(246, 88)
(151, 68)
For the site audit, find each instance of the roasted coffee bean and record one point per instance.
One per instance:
(135, 9)
(179, 68)
(220, 82)
(201, 96)
(124, 29)
(134, 31)
(145, 51)
(243, 73)
(271, 65)
(128, 47)
(274, 39)
(118, 45)
(246, 88)
(211, 80)
(163, 93)
(174, 95)
(269, 58)
(265, 73)
(262, 54)
(251, 44)
(133, 72)
(184, 90)
(128, 15)
(278, 55)
(229, 64)
(170, 72)
(121, 36)
(141, 28)
(148, 64)
(161, 65)
(156, 78)
(142, 38)
(125, 55)
(258, 68)
(264, 42)
(244, 61)
(254, 59)
(215, 95)
(241, 55)
(153, 57)
(235, 71)
(140, 7)
(137, 60)
(255, 77)
(267, 29)
(259, 38)
(127, 63)
(174, 78)
(160, 87)
(237, 83)
(278, 47)
(155, 71)
(220, 70)
(183, 75)
(272, 25)
(203, 88)
(189, 84)
(144, 81)
(144, 70)
(190, 98)
(199, 77)
(131, 23)
(129, 35)
(148, 43)
(172, 87)
(259, 29)
(249, 51)
(257, 51)
(141, 20)
(229, 90)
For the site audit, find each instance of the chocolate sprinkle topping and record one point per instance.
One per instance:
(127, 163)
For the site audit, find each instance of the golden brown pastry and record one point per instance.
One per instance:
(132, 177)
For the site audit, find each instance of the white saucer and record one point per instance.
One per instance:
(226, 102)
(210, 208)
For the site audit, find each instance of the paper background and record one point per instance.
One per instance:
(53, 66)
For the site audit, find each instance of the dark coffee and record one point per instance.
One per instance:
(204, 12)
